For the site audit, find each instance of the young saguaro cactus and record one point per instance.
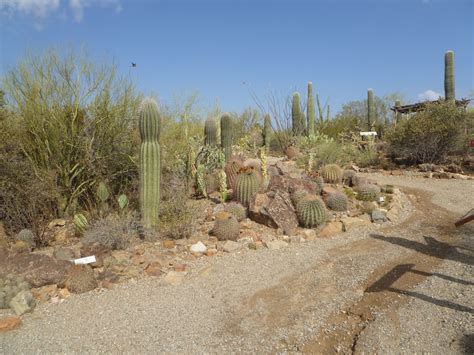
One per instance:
(296, 115)
(150, 169)
(226, 135)
(310, 114)
(449, 92)
(210, 132)
(267, 131)
(370, 109)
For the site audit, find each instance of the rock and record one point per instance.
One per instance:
(199, 247)
(38, 270)
(81, 279)
(349, 223)
(59, 231)
(255, 245)
(154, 269)
(44, 294)
(394, 213)
(179, 267)
(310, 234)
(64, 254)
(276, 244)
(169, 244)
(330, 229)
(296, 239)
(98, 250)
(442, 175)
(230, 246)
(21, 247)
(64, 293)
(460, 176)
(211, 252)
(174, 278)
(121, 256)
(378, 216)
(22, 303)
(9, 323)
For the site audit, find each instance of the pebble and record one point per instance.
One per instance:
(199, 247)
(230, 246)
(22, 303)
(276, 244)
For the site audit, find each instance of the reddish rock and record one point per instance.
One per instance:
(138, 259)
(154, 269)
(330, 229)
(100, 252)
(81, 279)
(211, 252)
(169, 244)
(179, 267)
(9, 323)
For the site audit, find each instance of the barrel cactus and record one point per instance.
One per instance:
(256, 166)
(246, 186)
(359, 180)
(237, 210)
(298, 196)
(226, 135)
(449, 86)
(348, 177)
(232, 167)
(150, 169)
(337, 201)
(27, 236)
(210, 132)
(367, 192)
(332, 173)
(226, 226)
(311, 212)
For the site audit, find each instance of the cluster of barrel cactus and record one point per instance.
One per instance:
(332, 173)
(226, 226)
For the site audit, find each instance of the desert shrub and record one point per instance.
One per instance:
(179, 216)
(429, 136)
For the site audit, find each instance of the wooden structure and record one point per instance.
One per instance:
(466, 218)
(420, 106)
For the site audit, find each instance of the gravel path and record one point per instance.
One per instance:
(270, 301)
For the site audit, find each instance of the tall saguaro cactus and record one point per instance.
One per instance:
(226, 135)
(210, 132)
(449, 91)
(296, 115)
(267, 131)
(310, 115)
(150, 169)
(398, 117)
(370, 109)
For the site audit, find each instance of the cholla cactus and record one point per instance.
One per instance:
(309, 167)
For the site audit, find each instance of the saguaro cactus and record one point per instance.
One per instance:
(150, 173)
(449, 92)
(296, 116)
(310, 115)
(370, 109)
(267, 131)
(226, 135)
(398, 103)
(210, 132)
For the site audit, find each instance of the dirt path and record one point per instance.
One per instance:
(363, 291)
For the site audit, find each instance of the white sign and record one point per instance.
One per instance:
(368, 133)
(86, 260)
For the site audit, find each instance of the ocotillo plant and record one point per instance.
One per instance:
(310, 110)
(370, 109)
(150, 173)
(226, 135)
(449, 92)
(296, 116)
(267, 131)
(210, 132)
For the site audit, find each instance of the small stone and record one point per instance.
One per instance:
(179, 267)
(22, 303)
(122, 256)
(9, 323)
(154, 269)
(296, 239)
(44, 293)
(211, 252)
(276, 244)
(230, 246)
(378, 216)
(174, 278)
(64, 293)
(330, 229)
(349, 223)
(169, 244)
(65, 254)
(245, 240)
(138, 259)
(310, 234)
(199, 247)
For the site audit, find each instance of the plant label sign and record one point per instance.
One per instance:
(86, 260)
(364, 134)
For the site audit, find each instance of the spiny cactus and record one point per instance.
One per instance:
(232, 167)
(267, 131)
(332, 173)
(298, 196)
(211, 182)
(210, 132)
(222, 178)
(226, 135)
(150, 167)
(296, 115)
(359, 180)
(237, 210)
(246, 186)
(263, 165)
(449, 86)
(337, 201)
(27, 236)
(348, 177)
(367, 192)
(311, 212)
(256, 167)
(315, 177)
(226, 226)
(370, 109)
(310, 115)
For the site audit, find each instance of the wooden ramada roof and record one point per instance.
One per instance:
(419, 106)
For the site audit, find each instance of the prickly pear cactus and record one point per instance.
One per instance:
(367, 192)
(246, 186)
(311, 212)
(226, 135)
(226, 226)
(210, 132)
(337, 201)
(232, 167)
(237, 210)
(348, 177)
(332, 173)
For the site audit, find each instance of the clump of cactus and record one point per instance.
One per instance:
(226, 135)
(150, 167)
(318, 180)
(311, 212)
(226, 226)
(348, 177)
(298, 196)
(367, 192)
(449, 86)
(267, 132)
(10, 286)
(210, 132)
(27, 236)
(297, 115)
(310, 114)
(211, 183)
(246, 186)
(370, 109)
(359, 180)
(237, 210)
(232, 168)
(332, 173)
(337, 201)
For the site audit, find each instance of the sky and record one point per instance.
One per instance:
(227, 49)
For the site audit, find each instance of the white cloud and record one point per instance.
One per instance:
(77, 6)
(429, 95)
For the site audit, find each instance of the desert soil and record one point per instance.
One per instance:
(395, 288)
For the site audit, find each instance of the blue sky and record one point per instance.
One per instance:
(214, 47)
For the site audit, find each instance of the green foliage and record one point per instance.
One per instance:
(449, 83)
(210, 132)
(337, 201)
(150, 173)
(226, 226)
(367, 192)
(122, 201)
(332, 173)
(237, 210)
(80, 222)
(297, 115)
(431, 135)
(226, 135)
(311, 212)
(246, 186)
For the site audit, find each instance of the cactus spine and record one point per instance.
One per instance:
(449, 92)
(150, 167)
(370, 109)
(296, 115)
(267, 131)
(226, 135)
(310, 115)
(246, 186)
(210, 132)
